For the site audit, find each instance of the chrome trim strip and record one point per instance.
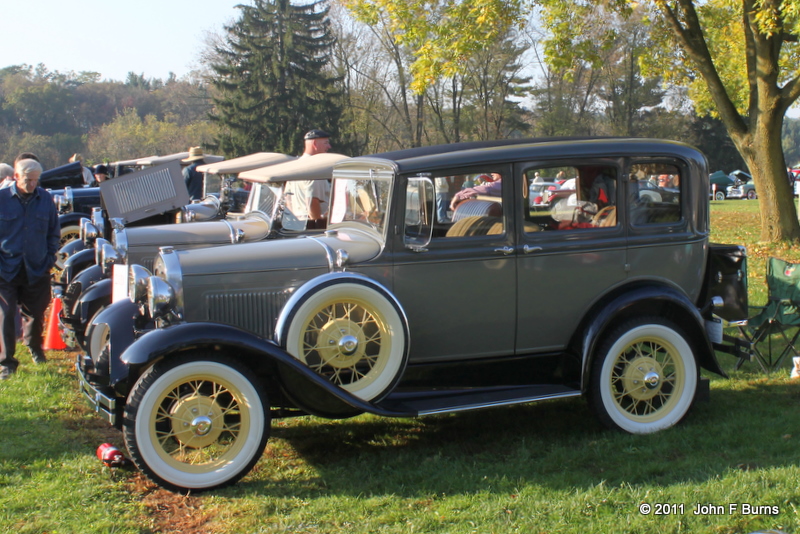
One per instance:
(501, 403)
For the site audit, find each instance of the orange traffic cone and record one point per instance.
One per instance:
(52, 339)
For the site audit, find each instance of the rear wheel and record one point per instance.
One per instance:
(644, 376)
(719, 195)
(196, 422)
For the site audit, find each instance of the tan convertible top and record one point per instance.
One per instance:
(245, 163)
(158, 160)
(319, 167)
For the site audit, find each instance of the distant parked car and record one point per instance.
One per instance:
(743, 186)
(720, 182)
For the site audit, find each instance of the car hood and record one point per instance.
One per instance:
(281, 254)
(197, 233)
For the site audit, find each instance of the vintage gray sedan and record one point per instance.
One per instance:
(394, 312)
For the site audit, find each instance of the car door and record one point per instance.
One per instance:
(459, 291)
(571, 251)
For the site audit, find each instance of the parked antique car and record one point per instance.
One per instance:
(720, 181)
(267, 174)
(393, 312)
(743, 186)
(69, 175)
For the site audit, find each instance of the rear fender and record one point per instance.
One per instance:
(264, 356)
(647, 300)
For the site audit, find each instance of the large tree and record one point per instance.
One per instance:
(272, 78)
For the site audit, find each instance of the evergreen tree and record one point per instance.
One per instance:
(272, 78)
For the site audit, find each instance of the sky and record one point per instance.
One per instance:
(112, 37)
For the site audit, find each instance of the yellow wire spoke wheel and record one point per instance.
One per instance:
(644, 378)
(196, 425)
(352, 335)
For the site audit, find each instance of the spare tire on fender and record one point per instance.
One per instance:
(349, 329)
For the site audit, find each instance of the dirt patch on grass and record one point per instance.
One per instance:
(167, 512)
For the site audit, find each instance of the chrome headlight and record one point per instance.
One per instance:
(89, 233)
(108, 256)
(167, 266)
(137, 284)
(120, 241)
(160, 297)
(98, 250)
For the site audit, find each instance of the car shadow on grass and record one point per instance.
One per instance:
(750, 424)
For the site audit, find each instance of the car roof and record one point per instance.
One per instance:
(317, 167)
(245, 163)
(130, 161)
(443, 156)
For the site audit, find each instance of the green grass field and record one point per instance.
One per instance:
(547, 467)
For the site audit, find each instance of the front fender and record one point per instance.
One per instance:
(263, 355)
(94, 297)
(72, 218)
(657, 300)
(118, 323)
(77, 263)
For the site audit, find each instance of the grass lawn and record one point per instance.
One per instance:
(547, 467)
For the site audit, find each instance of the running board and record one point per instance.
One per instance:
(428, 402)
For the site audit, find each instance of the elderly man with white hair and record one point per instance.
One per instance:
(29, 239)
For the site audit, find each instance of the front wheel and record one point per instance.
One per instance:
(751, 195)
(196, 422)
(644, 377)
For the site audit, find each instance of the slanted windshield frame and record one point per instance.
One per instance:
(361, 197)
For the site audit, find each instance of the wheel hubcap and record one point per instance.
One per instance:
(340, 341)
(642, 378)
(193, 419)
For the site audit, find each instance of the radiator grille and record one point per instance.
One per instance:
(255, 311)
(147, 190)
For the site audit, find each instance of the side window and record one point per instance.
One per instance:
(570, 197)
(655, 195)
(466, 205)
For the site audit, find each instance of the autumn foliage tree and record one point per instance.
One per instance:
(739, 59)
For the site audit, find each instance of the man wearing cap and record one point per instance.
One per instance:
(307, 200)
(29, 239)
(194, 179)
(100, 173)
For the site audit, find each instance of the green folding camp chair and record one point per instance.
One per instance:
(780, 316)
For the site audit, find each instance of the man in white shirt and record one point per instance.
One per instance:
(307, 200)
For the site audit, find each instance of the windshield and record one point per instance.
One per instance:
(263, 197)
(363, 200)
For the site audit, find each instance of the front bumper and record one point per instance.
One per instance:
(100, 398)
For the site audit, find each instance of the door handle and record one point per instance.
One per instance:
(505, 250)
(527, 249)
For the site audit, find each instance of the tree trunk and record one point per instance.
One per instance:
(761, 149)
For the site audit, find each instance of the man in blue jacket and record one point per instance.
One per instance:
(29, 239)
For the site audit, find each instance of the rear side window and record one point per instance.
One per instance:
(655, 194)
(570, 197)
